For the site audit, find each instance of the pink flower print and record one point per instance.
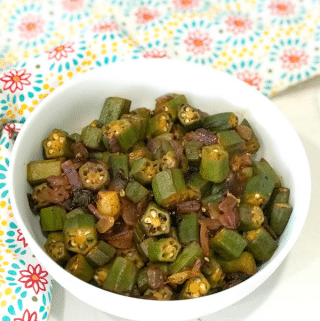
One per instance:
(20, 235)
(294, 58)
(198, 42)
(60, 51)
(72, 5)
(251, 78)
(155, 53)
(238, 24)
(31, 26)
(34, 277)
(105, 26)
(186, 4)
(145, 15)
(281, 7)
(27, 316)
(15, 79)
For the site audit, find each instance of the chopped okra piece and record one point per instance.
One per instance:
(101, 254)
(263, 167)
(163, 294)
(164, 267)
(91, 137)
(143, 247)
(139, 233)
(142, 280)
(123, 131)
(135, 192)
(173, 233)
(113, 109)
(94, 176)
(220, 122)
(169, 160)
(214, 165)
(281, 195)
(195, 287)
(52, 218)
(193, 152)
(170, 104)
(186, 258)
(164, 250)
(141, 152)
(119, 163)
(75, 212)
(37, 197)
(144, 170)
(228, 244)
(159, 124)
(140, 124)
(190, 118)
(260, 244)
(189, 229)
(252, 145)
(213, 272)
(213, 198)
(80, 233)
(101, 273)
(133, 256)
(178, 131)
(201, 186)
(75, 137)
(102, 156)
(231, 141)
(80, 268)
(258, 190)
(108, 203)
(251, 216)
(245, 263)
(279, 217)
(169, 187)
(39, 171)
(56, 248)
(57, 145)
(155, 220)
(121, 277)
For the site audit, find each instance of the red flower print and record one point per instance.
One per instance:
(34, 277)
(155, 53)
(186, 4)
(27, 316)
(60, 51)
(281, 7)
(72, 5)
(15, 79)
(198, 42)
(30, 26)
(294, 58)
(251, 78)
(237, 24)
(13, 132)
(145, 15)
(105, 26)
(20, 236)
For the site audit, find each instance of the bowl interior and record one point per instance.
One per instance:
(76, 104)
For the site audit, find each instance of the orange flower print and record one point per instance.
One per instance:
(251, 78)
(34, 277)
(237, 24)
(15, 79)
(145, 15)
(198, 42)
(31, 26)
(294, 58)
(281, 7)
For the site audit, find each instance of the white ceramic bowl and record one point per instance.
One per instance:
(77, 103)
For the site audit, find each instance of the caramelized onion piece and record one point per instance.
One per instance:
(188, 206)
(204, 136)
(155, 277)
(204, 239)
(129, 213)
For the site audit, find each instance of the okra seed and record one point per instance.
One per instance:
(55, 136)
(49, 143)
(203, 209)
(147, 220)
(88, 181)
(62, 139)
(122, 193)
(183, 114)
(197, 280)
(206, 259)
(187, 120)
(100, 178)
(187, 109)
(203, 287)
(153, 213)
(51, 151)
(163, 117)
(166, 108)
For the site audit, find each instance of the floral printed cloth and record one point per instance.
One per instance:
(270, 44)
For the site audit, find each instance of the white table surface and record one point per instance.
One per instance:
(293, 291)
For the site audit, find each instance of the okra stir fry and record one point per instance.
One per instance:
(164, 205)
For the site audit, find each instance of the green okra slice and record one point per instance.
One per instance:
(200, 186)
(279, 217)
(169, 160)
(39, 171)
(144, 170)
(52, 218)
(121, 277)
(56, 248)
(142, 280)
(178, 131)
(159, 124)
(220, 122)
(170, 104)
(91, 137)
(132, 255)
(279, 195)
(57, 144)
(139, 233)
(186, 258)
(193, 152)
(164, 267)
(80, 268)
(189, 229)
(228, 244)
(214, 164)
(101, 273)
(251, 216)
(252, 145)
(190, 118)
(173, 233)
(195, 287)
(139, 153)
(75, 212)
(37, 197)
(163, 294)
(231, 141)
(163, 250)
(100, 254)
(263, 167)
(169, 187)
(103, 156)
(113, 109)
(260, 244)
(155, 220)
(142, 111)
(80, 233)
(212, 198)
(258, 190)
(139, 123)
(213, 272)
(143, 247)
(75, 137)
(119, 163)
(135, 192)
